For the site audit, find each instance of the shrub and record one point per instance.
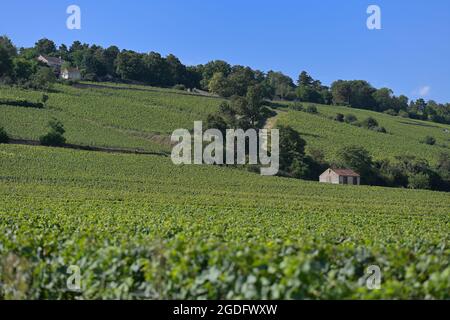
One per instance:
(312, 109)
(43, 79)
(4, 138)
(403, 114)
(369, 123)
(380, 129)
(350, 118)
(339, 117)
(44, 99)
(429, 140)
(55, 136)
(391, 112)
(297, 107)
(419, 180)
(179, 87)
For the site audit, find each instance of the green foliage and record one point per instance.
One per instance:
(55, 137)
(419, 180)
(350, 118)
(292, 153)
(369, 123)
(339, 117)
(137, 231)
(179, 87)
(429, 140)
(4, 138)
(45, 46)
(312, 109)
(404, 138)
(43, 79)
(126, 116)
(358, 159)
(296, 106)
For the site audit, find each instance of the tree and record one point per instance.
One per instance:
(356, 93)
(358, 159)
(309, 90)
(109, 56)
(156, 69)
(55, 136)
(384, 99)
(4, 138)
(240, 79)
(45, 46)
(419, 180)
(7, 44)
(23, 69)
(282, 85)
(292, 153)
(129, 66)
(341, 92)
(6, 64)
(253, 111)
(208, 70)
(43, 78)
(220, 85)
(443, 166)
(176, 70)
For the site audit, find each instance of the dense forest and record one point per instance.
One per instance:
(19, 66)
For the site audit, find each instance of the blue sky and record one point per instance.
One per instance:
(328, 38)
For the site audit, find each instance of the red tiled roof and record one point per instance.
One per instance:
(346, 172)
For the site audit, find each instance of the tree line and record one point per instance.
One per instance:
(219, 77)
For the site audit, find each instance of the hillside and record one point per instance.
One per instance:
(140, 227)
(404, 136)
(136, 118)
(144, 117)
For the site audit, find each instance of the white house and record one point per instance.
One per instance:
(70, 74)
(340, 176)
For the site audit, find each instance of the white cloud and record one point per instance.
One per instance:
(424, 91)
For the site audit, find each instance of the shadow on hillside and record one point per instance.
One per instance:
(419, 124)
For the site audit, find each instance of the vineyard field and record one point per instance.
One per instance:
(140, 227)
(404, 136)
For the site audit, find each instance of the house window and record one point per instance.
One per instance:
(345, 180)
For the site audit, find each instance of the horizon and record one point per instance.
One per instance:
(281, 44)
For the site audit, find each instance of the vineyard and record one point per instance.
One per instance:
(404, 136)
(143, 117)
(135, 118)
(139, 227)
